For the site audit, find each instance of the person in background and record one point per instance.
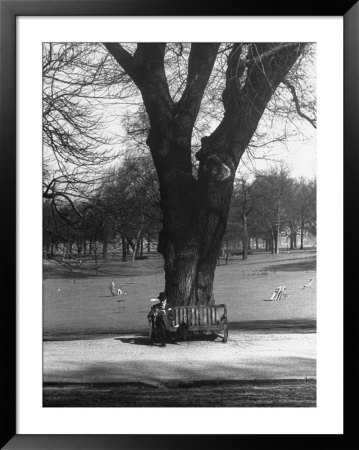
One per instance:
(113, 288)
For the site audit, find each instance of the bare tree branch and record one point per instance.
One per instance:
(68, 198)
(297, 104)
(122, 56)
(200, 66)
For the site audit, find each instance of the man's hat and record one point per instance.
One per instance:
(162, 296)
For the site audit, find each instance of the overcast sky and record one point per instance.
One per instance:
(299, 156)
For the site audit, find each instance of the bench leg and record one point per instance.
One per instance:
(225, 333)
(152, 340)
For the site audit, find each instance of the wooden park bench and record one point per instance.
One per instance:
(198, 318)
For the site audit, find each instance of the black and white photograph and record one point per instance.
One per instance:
(178, 189)
(179, 224)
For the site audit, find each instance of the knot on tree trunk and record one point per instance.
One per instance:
(219, 168)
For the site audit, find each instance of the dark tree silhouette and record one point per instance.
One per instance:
(195, 209)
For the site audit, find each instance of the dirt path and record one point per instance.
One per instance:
(250, 370)
(130, 358)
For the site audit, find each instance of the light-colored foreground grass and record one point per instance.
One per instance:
(276, 393)
(79, 304)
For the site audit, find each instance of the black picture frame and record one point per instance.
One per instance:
(9, 10)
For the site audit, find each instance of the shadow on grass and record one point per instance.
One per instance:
(280, 393)
(144, 339)
(276, 326)
(286, 326)
(138, 340)
(309, 264)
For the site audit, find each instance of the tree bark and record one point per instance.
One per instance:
(195, 215)
(302, 238)
(275, 240)
(136, 249)
(124, 248)
(291, 241)
(104, 249)
(245, 237)
(130, 245)
(148, 242)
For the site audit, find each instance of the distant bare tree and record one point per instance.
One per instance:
(243, 202)
(79, 87)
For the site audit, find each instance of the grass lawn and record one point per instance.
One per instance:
(77, 300)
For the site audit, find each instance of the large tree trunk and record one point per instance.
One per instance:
(195, 214)
(195, 210)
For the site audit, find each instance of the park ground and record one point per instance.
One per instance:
(96, 350)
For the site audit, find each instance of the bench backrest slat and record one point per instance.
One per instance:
(199, 315)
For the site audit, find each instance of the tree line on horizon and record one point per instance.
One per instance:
(125, 215)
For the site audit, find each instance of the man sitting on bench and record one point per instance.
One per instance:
(160, 313)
